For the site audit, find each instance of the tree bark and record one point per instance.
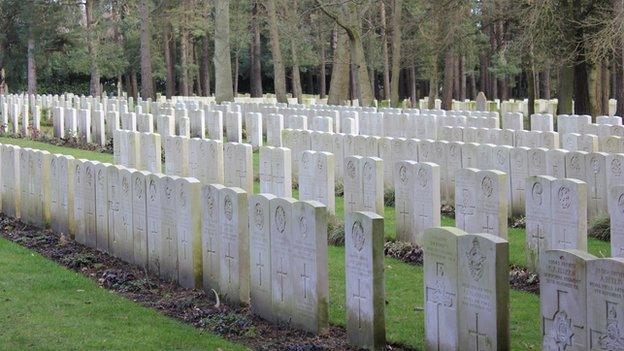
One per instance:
(170, 88)
(32, 66)
(236, 74)
(447, 88)
(184, 43)
(339, 84)
(147, 82)
(462, 80)
(396, 51)
(433, 83)
(384, 46)
(322, 69)
(206, 65)
(619, 64)
(255, 75)
(94, 85)
(134, 85)
(222, 61)
(413, 97)
(296, 75)
(566, 90)
(279, 72)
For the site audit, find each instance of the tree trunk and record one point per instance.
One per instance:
(365, 94)
(473, 86)
(462, 80)
(546, 81)
(255, 75)
(170, 88)
(206, 65)
(236, 69)
(384, 48)
(531, 92)
(222, 60)
(433, 84)
(279, 72)
(134, 85)
(566, 91)
(296, 75)
(396, 51)
(184, 43)
(32, 66)
(94, 85)
(147, 82)
(322, 81)
(447, 88)
(197, 77)
(582, 104)
(605, 87)
(619, 64)
(413, 97)
(339, 84)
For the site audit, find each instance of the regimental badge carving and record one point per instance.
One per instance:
(168, 190)
(319, 164)
(422, 177)
(303, 226)
(620, 203)
(487, 186)
(100, 177)
(518, 159)
(305, 161)
(227, 207)
(357, 235)
(537, 192)
(500, 157)
(574, 163)
(89, 175)
(183, 197)
(210, 204)
(536, 160)
(565, 199)
(595, 165)
(368, 172)
(612, 340)
(138, 184)
(403, 174)
(351, 169)
(125, 185)
(258, 216)
(152, 190)
(476, 260)
(616, 166)
(280, 219)
(559, 336)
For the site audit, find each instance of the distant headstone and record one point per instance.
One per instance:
(481, 102)
(364, 265)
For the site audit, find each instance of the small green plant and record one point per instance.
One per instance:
(600, 228)
(389, 197)
(229, 324)
(335, 232)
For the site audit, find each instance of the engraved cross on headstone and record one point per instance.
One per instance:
(480, 338)
(229, 258)
(437, 295)
(610, 338)
(358, 295)
(212, 254)
(563, 333)
(260, 265)
(281, 274)
(305, 277)
(488, 227)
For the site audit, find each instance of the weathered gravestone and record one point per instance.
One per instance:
(404, 183)
(605, 302)
(139, 218)
(492, 203)
(282, 275)
(616, 213)
(425, 196)
(563, 299)
(466, 189)
(234, 245)
(275, 171)
(569, 214)
(154, 213)
(168, 257)
(440, 246)
(211, 235)
(483, 290)
(538, 218)
(316, 178)
(365, 288)
(238, 166)
(310, 266)
(189, 232)
(260, 284)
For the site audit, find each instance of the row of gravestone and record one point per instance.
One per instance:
(599, 170)
(268, 251)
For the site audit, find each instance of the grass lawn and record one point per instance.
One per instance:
(45, 306)
(404, 285)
